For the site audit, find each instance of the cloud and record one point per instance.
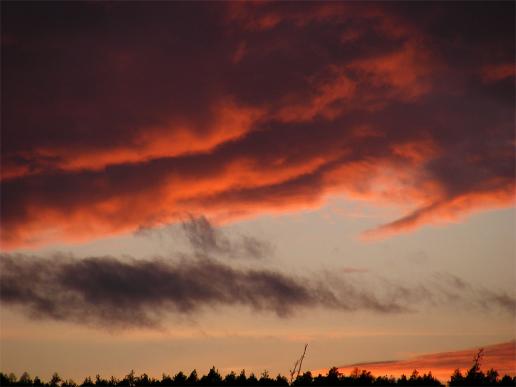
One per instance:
(209, 241)
(118, 293)
(107, 126)
(205, 239)
(109, 291)
(501, 357)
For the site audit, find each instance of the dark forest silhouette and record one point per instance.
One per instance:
(473, 377)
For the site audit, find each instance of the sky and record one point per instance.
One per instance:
(219, 183)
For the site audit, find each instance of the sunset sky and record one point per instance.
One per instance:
(218, 183)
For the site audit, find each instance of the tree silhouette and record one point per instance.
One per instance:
(281, 381)
(54, 382)
(364, 378)
(251, 380)
(129, 380)
(180, 379)
(212, 379)
(333, 377)
(192, 378)
(230, 379)
(25, 380)
(143, 380)
(166, 380)
(265, 379)
(12, 378)
(474, 377)
(507, 381)
(304, 380)
(242, 379)
(88, 382)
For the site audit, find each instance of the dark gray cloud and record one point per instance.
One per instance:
(111, 292)
(106, 290)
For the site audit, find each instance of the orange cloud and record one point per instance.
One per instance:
(447, 211)
(268, 107)
(176, 138)
(501, 357)
(405, 72)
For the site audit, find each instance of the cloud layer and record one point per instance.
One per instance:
(131, 115)
(111, 292)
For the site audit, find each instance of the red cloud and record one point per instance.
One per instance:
(229, 121)
(497, 72)
(238, 109)
(501, 357)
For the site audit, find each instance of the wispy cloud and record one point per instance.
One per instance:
(206, 239)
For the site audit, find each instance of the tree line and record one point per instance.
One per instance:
(473, 377)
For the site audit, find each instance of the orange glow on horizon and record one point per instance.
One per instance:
(501, 357)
